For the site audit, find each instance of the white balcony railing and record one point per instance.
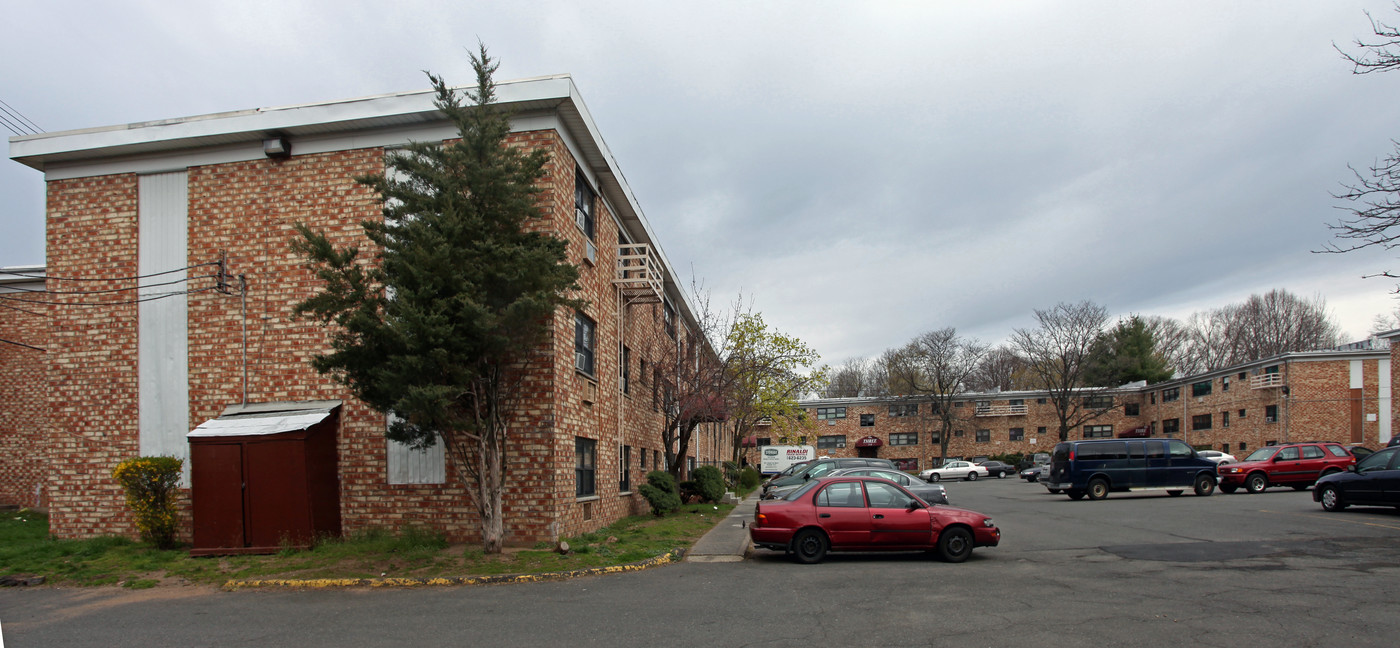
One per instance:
(639, 273)
(1001, 410)
(1266, 380)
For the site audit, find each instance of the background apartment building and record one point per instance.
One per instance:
(1342, 396)
(179, 232)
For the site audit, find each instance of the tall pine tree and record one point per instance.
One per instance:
(437, 328)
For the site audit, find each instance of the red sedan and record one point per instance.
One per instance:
(866, 514)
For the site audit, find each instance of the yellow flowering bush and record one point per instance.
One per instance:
(150, 484)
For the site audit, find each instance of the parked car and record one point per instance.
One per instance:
(1373, 481)
(1291, 464)
(866, 514)
(954, 470)
(1220, 458)
(778, 487)
(1031, 473)
(1358, 450)
(998, 469)
(1096, 468)
(1394, 441)
(931, 493)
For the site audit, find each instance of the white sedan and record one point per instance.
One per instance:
(1220, 458)
(954, 470)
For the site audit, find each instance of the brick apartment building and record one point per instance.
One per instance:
(1340, 396)
(141, 343)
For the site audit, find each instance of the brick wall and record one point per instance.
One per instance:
(23, 391)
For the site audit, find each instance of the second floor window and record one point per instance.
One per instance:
(1200, 422)
(1018, 434)
(827, 413)
(904, 438)
(585, 342)
(984, 436)
(1169, 395)
(867, 420)
(1098, 431)
(831, 441)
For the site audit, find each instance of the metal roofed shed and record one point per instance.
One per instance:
(264, 476)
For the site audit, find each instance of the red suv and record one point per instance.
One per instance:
(1292, 464)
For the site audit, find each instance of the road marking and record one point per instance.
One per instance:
(1332, 517)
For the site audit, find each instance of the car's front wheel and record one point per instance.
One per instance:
(933, 477)
(1331, 499)
(809, 547)
(1256, 483)
(955, 545)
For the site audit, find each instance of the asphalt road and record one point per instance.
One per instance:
(1150, 570)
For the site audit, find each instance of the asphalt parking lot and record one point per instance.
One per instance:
(1132, 570)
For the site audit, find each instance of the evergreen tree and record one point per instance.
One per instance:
(1127, 353)
(439, 326)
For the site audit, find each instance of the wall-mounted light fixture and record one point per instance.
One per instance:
(277, 147)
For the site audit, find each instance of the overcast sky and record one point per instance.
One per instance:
(864, 171)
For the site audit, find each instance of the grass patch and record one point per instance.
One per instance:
(411, 552)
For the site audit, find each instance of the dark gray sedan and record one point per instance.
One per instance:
(930, 493)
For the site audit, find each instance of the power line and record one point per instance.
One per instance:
(22, 310)
(31, 275)
(173, 293)
(109, 290)
(28, 126)
(21, 344)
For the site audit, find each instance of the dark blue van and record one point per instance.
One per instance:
(1095, 468)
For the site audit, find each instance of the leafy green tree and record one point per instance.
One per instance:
(439, 326)
(1126, 353)
(766, 373)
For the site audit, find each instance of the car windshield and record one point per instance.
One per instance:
(803, 490)
(1261, 454)
(792, 469)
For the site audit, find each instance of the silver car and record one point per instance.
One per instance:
(929, 493)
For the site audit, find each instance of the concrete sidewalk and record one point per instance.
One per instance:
(729, 540)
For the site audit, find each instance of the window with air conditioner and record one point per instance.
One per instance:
(585, 343)
(585, 202)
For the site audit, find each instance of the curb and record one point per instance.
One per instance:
(674, 555)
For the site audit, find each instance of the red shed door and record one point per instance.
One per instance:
(216, 485)
(277, 506)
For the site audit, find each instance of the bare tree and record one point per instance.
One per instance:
(849, 380)
(689, 382)
(935, 366)
(1263, 326)
(1058, 354)
(1173, 341)
(1372, 200)
(1001, 369)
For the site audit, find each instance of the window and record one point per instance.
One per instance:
(957, 434)
(1201, 388)
(669, 312)
(585, 341)
(1200, 422)
(626, 485)
(1130, 409)
(1271, 413)
(1225, 447)
(984, 436)
(1241, 413)
(1225, 385)
(584, 199)
(626, 373)
(1040, 401)
(642, 370)
(1225, 422)
(831, 441)
(1040, 431)
(1099, 432)
(1171, 426)
(765, 441)
(643, 457)
(585, 466)
(842, 495)
(983, 404)
(1337, 450)
(1098, 402)
(958, 403)
(1178, 449)
(1016, 402)
(1312, 452)
(904, 439)
(906, 409)
(935, 436)
(1111, 451)
(887, 496)
(1288, 454)
(1243, 375)
(828, 413)
(1018, 434)
(1169, 395)
(867, 420)
(1242, 446)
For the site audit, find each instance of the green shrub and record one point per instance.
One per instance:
(660, 492)
(749, 478)
(690, 492)
(709, 482)
(149, 483)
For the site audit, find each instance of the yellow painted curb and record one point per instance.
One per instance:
(319, 583)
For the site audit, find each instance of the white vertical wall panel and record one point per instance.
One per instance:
(409, 466)
(1356, 374)
(163, 328)
(1383, 388)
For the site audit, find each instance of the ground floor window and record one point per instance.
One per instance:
(1225, 420)
(984, 436)
(1271, 413)
(1098, 431)
(907, 465)
(585, 467)
(626, 486)
(1171, 426)
(831, 441)
(904, 438)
